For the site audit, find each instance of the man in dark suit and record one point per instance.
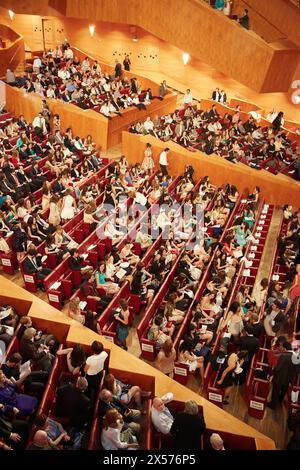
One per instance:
(216, 95)
(255, 327)
(283, 374)
(13, 431)
(213, 113)
(58, 187)
(72, 403)
(33, 264)
(223, 97)
(247, 342)
(118, 69)
(36, 175)
(24, 181)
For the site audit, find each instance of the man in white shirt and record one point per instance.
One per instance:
(105, 110)
(148, 125)
(50, 92)
(37, 63)
(163, 161)
(188, 98)
(68, 54)
(161, 416)
(39, 125)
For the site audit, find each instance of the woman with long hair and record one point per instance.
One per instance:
(166, 357)
(75, 358)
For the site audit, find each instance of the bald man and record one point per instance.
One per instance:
(40, 441)
(161, 416)
(215, 442)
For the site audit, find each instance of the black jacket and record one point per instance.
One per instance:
(73, 404)
(187, 430)
(285, 371)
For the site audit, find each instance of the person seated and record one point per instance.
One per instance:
(75, 358)
(54, 430)
(19, 403)
(130, 416)
(72, 403)
(41, 441)
(215, 442)
(38, 354)
(32, 264)
(188, 428)
(161, 416)
(33, 382)
(125, 393)
(113, 437)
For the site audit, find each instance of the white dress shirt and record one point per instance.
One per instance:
(162, 420)
(163, 158)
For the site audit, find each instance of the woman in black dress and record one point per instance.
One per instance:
(229, 369)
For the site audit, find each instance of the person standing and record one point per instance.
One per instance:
(163, 161)
(283, 374)
(163, 89)
(244, 20)
(127, 63)
(166, 357)
(188, 98)
(118, 69)
(122, 327)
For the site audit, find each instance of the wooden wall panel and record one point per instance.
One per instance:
(191, 28)
(105, 132)
(276, 189)
(12, 56)
(215, 418)
(258, 23)
(282, 14)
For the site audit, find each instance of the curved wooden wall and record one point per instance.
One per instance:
(105, 132)
(275, 189)
(200, 30)
(282, 14)
(14, 54)
(71, 332)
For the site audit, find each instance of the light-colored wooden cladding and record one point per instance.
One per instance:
(205, 33)
(71, 332)
(32, 7)
(14, 53)
(275, 189)
(258, 23)
(282, 14)
(105, 133)
(230, 49)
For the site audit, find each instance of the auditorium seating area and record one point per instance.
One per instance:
(139, 288)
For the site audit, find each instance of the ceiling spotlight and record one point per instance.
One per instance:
(185, 57)
(135, 38)
(11, 14)
(92, 29)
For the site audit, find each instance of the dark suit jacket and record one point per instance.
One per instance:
(257, 329)
(5, 425)
(73, 404)
(248, 343)
(285, 371)
(29, 267)
(28, 351)
(188, 430)
(75, 263)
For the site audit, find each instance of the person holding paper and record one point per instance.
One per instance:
(34, 382)
(19, 403)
